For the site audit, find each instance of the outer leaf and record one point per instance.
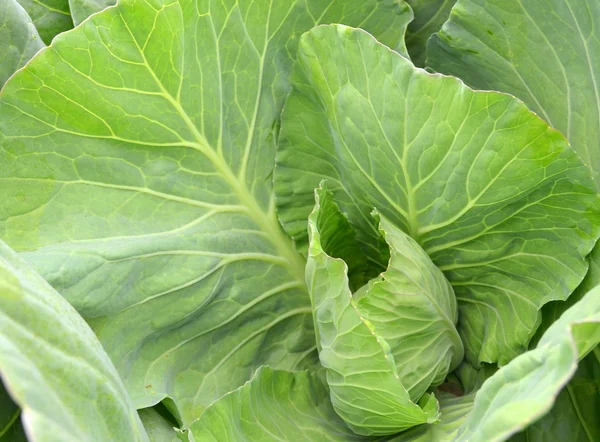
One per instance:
(430, 15)
(413, 308)
(54, 367)
(495, 197)
(574, 416)
(274, 405)
(514, 46)
(19, 39)
(51, 17)
(136, 165)
(82, 9)
(366, 389)
(526, 388)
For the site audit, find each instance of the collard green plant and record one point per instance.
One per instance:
(146, 139)
(269, 229)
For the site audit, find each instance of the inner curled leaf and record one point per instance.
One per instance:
(384, 346)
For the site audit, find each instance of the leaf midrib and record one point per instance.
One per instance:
(266, 221)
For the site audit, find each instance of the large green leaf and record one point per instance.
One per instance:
(383, 348)
(54, 367)
(525, 389)
(495, 197)
(136, 165)
(51, 17)
(274, 405)
(19, 40)
(82, 9)
(430, 15)
(546, 52)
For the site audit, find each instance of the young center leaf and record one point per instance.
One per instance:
(54, 367)
(146, 140)
(386, 345)
(495, 197)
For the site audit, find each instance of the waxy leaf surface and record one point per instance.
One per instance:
(146, 140)
(496, 198)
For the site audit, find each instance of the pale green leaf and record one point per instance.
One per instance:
(546, 52)
(574, 416)
(54, 367)
(430, 15)
(136, 164)
(274, 405)
(413, 308)
(19, 39)
(51, 17)
(525, 389)
(82, 9)
(494, 196)
(367, 388)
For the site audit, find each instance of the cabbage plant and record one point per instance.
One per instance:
(266, 220)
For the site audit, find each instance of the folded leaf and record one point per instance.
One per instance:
(413, 308)
(493, 195)
(366, 345)
(146, 139)
(19, 40)
(525, 389)
(274, 405)
(51, 17)
(54, 367)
